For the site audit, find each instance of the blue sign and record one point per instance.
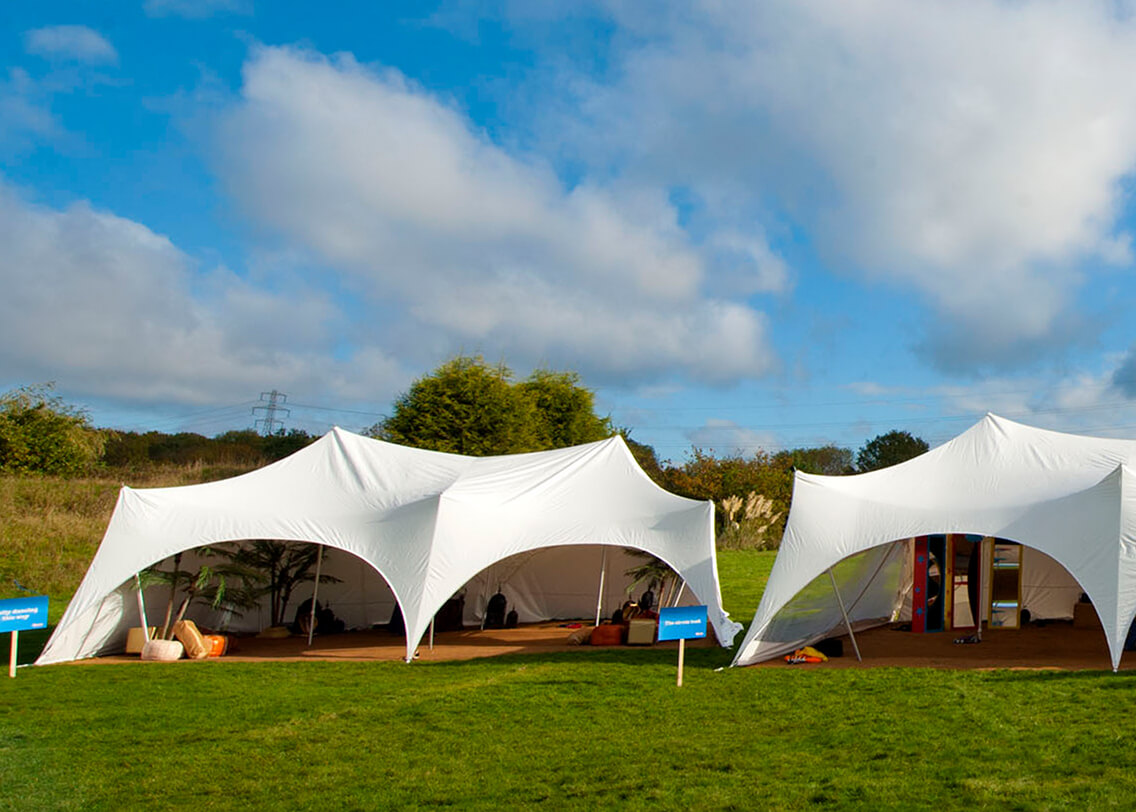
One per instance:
(682, 623)
(18, 614)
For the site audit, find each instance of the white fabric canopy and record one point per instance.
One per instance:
(427, 522)
(1071, 497)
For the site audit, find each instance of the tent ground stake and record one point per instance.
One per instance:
(681, 658)
(847, 622)
(12, 656)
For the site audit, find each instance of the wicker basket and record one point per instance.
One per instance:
(165, 651)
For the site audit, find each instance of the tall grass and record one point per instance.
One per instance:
(50, 526)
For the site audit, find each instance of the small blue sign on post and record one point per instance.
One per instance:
(682, 623)
(17, 614)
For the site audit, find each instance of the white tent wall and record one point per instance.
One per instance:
(872, 585)
(1049, 592)
(358, 596)
(559, 583)
(424, 521)
(1068, 497)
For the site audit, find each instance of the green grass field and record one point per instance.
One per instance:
(596, 729)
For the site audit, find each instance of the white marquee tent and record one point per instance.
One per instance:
(1070, 500)
(414, 527)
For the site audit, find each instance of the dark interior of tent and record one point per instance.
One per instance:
(262, 596)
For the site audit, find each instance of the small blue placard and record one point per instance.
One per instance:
(682, 623)
(19, 614)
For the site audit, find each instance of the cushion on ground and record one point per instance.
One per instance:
(608, 634)
(194, 641)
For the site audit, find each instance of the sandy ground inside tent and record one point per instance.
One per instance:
(1060, 646)
(382, 645)
(1055, 645)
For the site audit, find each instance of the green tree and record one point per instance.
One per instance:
(889, 449)
(564, 410)
(468, 407)
(830, 460)
(40, 433)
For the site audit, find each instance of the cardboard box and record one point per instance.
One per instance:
(641, 632)
(135, 639)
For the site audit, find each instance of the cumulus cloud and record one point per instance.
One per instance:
(118, 311)
(76, 43)
(483, 247)
(975, 154)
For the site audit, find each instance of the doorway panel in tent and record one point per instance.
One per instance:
(964, 605)
(947, 582)
(928, 602)
(1005, 566)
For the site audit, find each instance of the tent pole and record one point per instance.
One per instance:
(678, 595)
(603, 574)
(485, 597)
(847, 622)
(315, 594)
(431, 634)
(142, 608)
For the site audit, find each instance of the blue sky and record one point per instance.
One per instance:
(745, 225)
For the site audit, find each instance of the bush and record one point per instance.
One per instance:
(39, 433)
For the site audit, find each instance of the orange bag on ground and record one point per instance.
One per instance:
(216, 645)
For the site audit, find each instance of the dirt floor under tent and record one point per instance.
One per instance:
(1055, 645)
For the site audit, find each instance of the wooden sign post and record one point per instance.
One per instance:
(682, 623)
(21, 613)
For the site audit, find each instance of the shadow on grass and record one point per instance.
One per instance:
(696, 658)
(31, 643)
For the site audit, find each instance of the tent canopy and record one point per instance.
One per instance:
(427, 522)
(1071, 497)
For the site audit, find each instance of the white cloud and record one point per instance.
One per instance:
(973, 153)
(196, 9)
(115, 310)
(70, 42)
(476, 245)
(725, 437)
(25, 117)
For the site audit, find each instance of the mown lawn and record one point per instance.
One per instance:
(601, 729)
(561, 731)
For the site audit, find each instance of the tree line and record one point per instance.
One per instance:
(465, 406)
